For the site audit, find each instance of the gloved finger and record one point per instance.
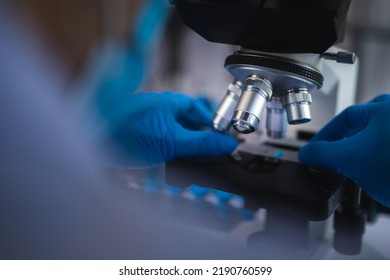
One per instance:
(381, 98)
(347, 123)
(206, 101)
(205, 143)
(326, 155)
(210, 103)
(195, 112)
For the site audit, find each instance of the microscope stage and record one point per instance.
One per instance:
(264, 181)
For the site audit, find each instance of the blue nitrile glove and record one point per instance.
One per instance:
(162, 127)
(117, 68)
(356, 143)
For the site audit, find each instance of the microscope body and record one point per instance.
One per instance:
(285, 54)
(282, 48)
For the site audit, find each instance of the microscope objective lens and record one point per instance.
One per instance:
(257, 91)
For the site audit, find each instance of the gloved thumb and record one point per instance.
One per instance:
(325, 155)
(205, 143)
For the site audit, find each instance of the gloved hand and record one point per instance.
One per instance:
(162, 127)
(356, 143)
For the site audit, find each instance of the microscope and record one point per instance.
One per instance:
(286, 60)
(279, 64)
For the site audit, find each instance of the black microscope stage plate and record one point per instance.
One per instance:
(264, 182)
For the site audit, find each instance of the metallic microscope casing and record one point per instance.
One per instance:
(280, 60)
